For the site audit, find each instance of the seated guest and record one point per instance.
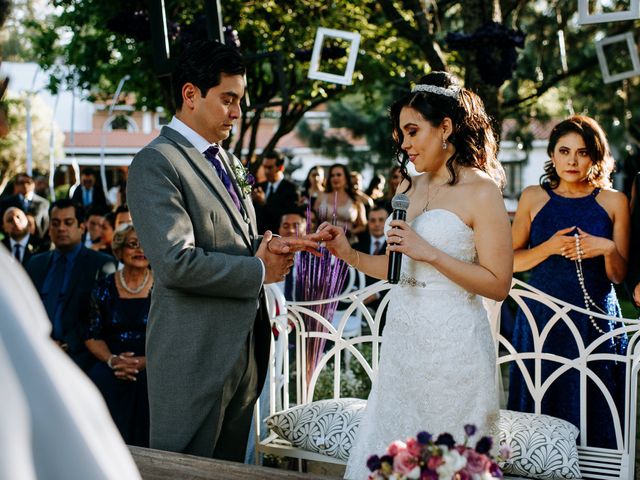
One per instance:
(292, 224)
(106, 236)
(29, 202)
(375, 190)
(64, 278)
(273, 197)
(116, 335)
(93, 225)
(18, 240)
(89, 193)
(373, 242)
(122, 215)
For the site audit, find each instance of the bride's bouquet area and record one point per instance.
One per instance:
(426, 458)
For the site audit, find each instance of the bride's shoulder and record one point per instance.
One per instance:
(478, 183)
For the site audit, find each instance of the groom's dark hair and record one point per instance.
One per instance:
(202, 63)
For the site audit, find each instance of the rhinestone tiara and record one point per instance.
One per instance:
(453, 92)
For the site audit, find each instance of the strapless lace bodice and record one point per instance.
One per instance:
(437, 360)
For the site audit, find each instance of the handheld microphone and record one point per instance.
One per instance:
(400, 203)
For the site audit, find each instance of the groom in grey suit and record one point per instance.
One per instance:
(208, 335)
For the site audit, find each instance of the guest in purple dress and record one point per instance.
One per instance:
(116, 336)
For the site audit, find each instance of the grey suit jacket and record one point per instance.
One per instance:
(207, 288)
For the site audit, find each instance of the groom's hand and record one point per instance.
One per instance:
(277, 261)
(310, 243)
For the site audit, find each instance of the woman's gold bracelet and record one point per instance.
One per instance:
(357, 260)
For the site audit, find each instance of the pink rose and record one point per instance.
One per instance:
(396, 447)
(476, 462)
(434, 462)
(414, 447)
(505, 451)
(404, 462)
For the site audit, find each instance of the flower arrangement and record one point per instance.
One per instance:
(423, 458)
(244, 177)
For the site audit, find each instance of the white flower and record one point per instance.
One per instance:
(453, 462)
(415, 473)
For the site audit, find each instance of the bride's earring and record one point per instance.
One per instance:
(444, 144)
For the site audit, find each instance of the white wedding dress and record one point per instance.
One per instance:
(437, 368)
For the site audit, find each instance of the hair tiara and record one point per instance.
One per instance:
(453, 92)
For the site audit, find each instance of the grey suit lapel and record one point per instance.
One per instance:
(201, 165)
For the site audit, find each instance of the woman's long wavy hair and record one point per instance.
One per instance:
(350, 189)
(472, 136)
(597, 145)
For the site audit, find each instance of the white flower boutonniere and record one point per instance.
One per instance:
(244, 177)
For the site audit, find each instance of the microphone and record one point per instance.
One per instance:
(400, 203)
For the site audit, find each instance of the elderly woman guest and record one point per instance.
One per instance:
(116, 336)
(572, 232)
(341, 195)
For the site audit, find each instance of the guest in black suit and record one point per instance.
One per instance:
(89, 193)
(292, 224)
(18, 240)
(29, 202)
(633, 273)
(64, 278)
(373, 242)
(273, 197)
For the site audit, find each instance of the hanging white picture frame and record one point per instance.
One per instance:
(627, 38)
(316, 56)
(585, 17)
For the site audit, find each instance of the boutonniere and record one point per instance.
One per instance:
(244, 177)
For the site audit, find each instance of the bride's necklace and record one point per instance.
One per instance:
(588, 301)
(139, 288)
(429, 198)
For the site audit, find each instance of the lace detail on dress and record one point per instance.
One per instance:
(437, 362)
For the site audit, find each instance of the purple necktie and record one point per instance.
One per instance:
(211, 154)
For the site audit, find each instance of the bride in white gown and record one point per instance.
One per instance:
(437, 362)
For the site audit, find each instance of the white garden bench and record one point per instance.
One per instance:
(595, 463)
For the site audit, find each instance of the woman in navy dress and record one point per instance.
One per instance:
(573, 221)
(116, 336)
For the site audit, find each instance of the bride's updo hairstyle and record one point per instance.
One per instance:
(437, 96)
(595, 141)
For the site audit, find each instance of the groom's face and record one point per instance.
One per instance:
(213, 115)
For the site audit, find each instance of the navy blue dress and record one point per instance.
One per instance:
(121, 323)
(557, 276)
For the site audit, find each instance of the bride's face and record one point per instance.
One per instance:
(421, 140)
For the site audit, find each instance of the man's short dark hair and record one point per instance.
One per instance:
(377, 208)
(24, 176)
(121, 209)
(294, 211)
(89, 171)
(66, 203)
(98, 210)
(277, 155)
(202, 63)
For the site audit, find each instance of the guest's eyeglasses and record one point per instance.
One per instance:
(132, 244)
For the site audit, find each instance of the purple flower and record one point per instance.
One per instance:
(423, 437)
(494, 470)
(484, 445)
(469, 430)
(445, 439)
(251, 180)
(374, 463)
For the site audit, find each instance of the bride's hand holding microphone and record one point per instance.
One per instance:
(403, 239)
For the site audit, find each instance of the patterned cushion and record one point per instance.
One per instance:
(326, 426)
(541, 446)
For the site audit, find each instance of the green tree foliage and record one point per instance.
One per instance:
(99, 42)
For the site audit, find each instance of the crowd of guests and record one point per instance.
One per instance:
(84, 259)
(572, 232)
